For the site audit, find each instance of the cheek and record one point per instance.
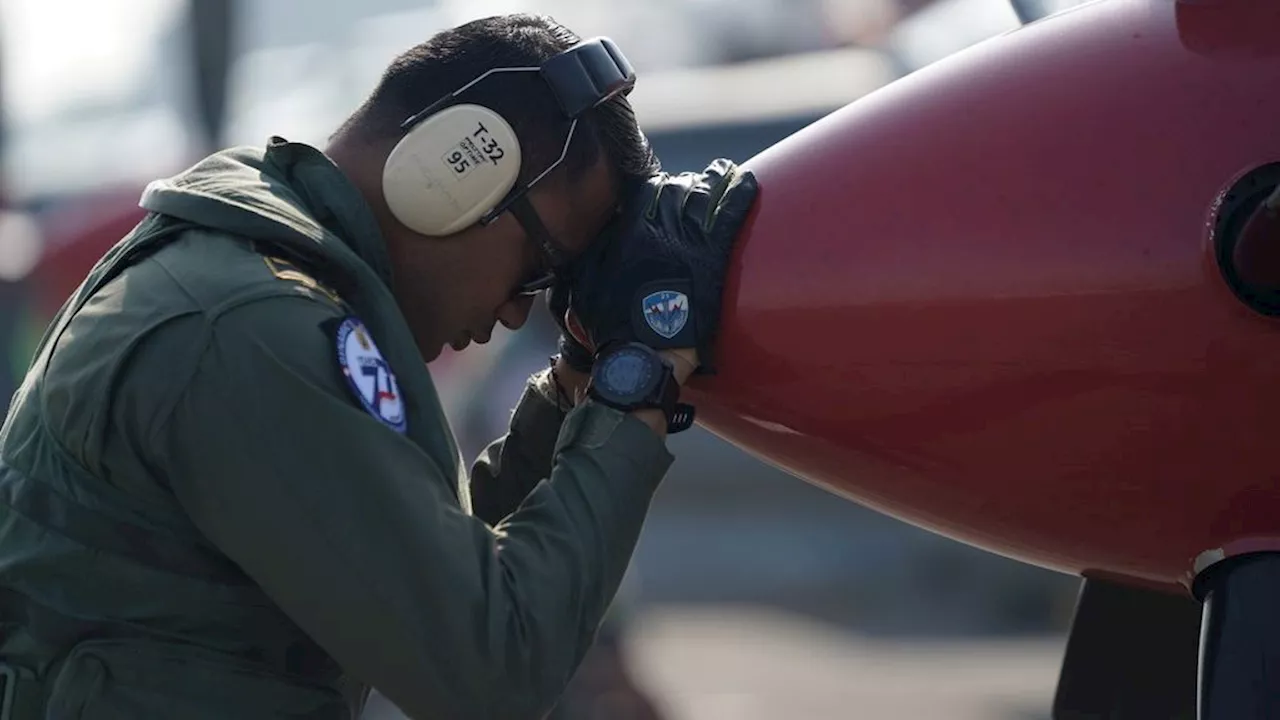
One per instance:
(489, 281)
(430, 307)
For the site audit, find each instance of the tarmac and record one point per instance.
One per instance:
(726, 663)
(716, 662)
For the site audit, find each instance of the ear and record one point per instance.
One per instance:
(451, 169)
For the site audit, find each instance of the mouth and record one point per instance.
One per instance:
(461, 342)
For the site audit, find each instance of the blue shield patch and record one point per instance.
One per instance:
(666, 311)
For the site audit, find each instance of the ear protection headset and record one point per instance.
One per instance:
(458, 162)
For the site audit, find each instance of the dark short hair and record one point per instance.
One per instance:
(454, 57)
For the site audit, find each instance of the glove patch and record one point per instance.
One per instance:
(666, 312)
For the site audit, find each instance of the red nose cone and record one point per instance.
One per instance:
(988, 299)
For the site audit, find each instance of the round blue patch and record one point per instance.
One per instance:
(369, 375)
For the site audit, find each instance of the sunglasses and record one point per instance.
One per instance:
(554, 265)
(553, 259)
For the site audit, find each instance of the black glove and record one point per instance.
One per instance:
(575, 355)
(656, 275)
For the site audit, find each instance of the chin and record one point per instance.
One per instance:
(430, 350)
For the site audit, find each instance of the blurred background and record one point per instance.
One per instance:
(752, 594)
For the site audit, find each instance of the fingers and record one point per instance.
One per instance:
(557, 301)
(574, 354)
(574, 327)
(700, 194)
(739, 195)
(717, 193)
(653, 190)
(695, 207)
(705, 192)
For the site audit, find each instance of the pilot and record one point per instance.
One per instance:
(228, 488)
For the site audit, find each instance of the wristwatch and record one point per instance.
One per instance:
(633, 376)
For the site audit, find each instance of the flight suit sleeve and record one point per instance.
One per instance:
(512, 466)
(357, 534)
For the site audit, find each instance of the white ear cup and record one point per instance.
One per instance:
(451, 169)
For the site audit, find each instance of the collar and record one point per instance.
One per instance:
(332, 200)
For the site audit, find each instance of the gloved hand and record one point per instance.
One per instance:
(656, 275)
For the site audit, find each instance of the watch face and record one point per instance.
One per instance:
(626, 375)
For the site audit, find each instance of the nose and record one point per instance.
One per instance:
(514, 312)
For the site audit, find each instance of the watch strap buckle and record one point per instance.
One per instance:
(681, 418)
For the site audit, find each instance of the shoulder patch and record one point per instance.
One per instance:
(285, 270)
(369, 375)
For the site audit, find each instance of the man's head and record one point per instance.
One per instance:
(453, 289)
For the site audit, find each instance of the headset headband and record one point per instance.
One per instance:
(582, 77)
(587, 75)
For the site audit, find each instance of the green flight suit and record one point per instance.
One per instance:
(201, 517)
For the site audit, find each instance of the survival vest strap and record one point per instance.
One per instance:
(39, 503)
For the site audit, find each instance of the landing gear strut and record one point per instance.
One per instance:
(1240, 639)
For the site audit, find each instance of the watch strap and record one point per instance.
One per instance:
(681, 418)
